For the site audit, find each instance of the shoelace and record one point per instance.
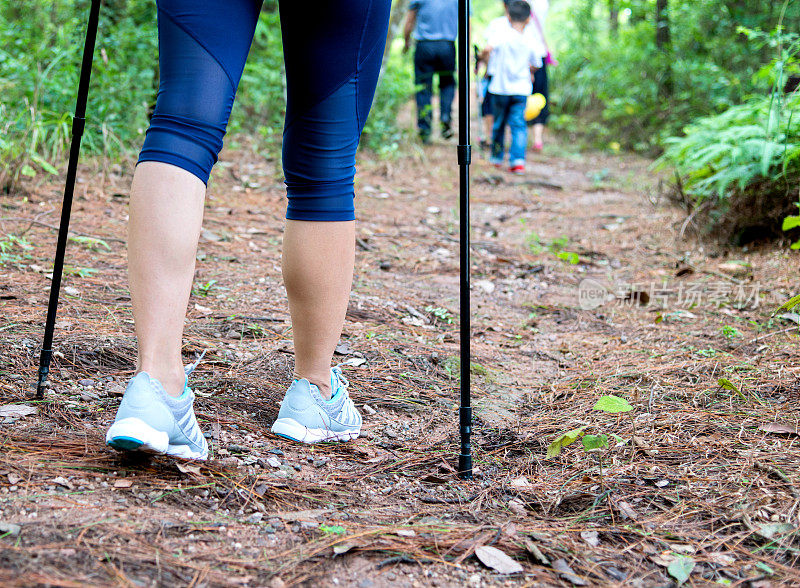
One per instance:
(192, 366)
(337, 371)
(348, 407)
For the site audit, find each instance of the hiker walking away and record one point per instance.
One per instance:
(513, 59)
(536, 29)
(434, 26)
(332, 54)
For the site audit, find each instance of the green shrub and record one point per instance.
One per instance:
(739, 171)
(41, 46)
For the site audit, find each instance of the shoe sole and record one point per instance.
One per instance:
(291, 429)
(135, 435)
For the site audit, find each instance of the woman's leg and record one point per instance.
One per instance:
(317, 271)
(166, 211)
(329, 95)
(202, 51)
(538, 135)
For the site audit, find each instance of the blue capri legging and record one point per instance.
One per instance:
(332, 51)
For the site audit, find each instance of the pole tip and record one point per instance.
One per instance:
(465, 466)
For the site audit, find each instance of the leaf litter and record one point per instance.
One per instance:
(264, 515)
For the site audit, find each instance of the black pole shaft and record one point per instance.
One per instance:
(464, 159)
(78, 122)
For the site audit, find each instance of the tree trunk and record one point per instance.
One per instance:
(396, 20)
(613, 17)
(664, 46)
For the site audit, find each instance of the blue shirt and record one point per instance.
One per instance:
(437, 20)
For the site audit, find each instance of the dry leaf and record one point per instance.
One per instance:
(591, 537)
(562, 567)
(537, 554)
(722, 559)
(493, 558)
(123, 483)
(16, 410)
(517, 507)
(626, 510)
(779, 428)
(189, 468)
(342, 548)
(521, 482)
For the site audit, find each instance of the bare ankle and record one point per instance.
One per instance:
(173, 379)
(323, 385)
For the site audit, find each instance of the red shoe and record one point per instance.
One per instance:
(538, 146)
(517, 169)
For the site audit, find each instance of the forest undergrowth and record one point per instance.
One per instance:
(636, 394)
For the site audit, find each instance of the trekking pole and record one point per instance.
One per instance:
(78, 122)
(464, 159)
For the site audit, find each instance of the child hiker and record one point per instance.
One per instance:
(514, 58)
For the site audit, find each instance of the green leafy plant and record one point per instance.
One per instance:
(556, 247)
(792, 222)
(598, 442)
(204, 289)
(12, 249)
(441, 314)
(91, 242)
(730, 333)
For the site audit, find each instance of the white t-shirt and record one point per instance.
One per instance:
(513, 54)
(494, 30)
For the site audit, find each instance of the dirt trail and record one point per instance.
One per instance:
(583, 287)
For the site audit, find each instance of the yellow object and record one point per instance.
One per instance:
(534, 106)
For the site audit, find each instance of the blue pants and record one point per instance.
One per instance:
(509, 111)
(434, 57)
(332, 52)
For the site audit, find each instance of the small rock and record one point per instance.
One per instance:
(255, 517)
(62, 481)
(86, 382)
(238, 449)
(318, 463)
(486, 286)
(207, 235)
(343, 348)
(385, 265)
(11, 529)
(275, 452)
(114, 389)
(276, 582)
(14, 479)
(89, 395)
(274, 462)
(369, 410)
(434, 209)
(390, 433)
(72, 291)
(517, 507)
